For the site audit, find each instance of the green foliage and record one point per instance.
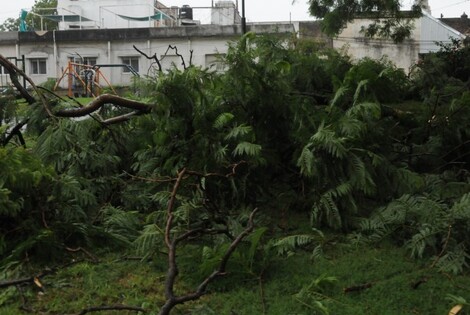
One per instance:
(42, 7)
(33, 21)
(10, 25)
(289, 127)
(311, 294)
(427, 225)
(388, 21)
(287, 245)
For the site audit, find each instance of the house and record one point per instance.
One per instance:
(461, 24)
(104, 32)
(85, 38)
(426, 32)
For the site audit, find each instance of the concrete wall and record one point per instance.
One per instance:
(427, 30)
(111, 46)
(404, 55)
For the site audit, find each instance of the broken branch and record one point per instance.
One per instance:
(99, 102)
(117, 307)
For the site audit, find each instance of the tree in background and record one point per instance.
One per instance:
(33, 20)
(10, 24)
(337, 13)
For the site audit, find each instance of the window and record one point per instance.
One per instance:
(130, 61)
(90, 61)
(38, 66)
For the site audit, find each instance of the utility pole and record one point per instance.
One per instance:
(243, 18)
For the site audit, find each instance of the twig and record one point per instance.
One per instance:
(117, 307)
(154, 57)
(191, 51)
(173, 300)
(7, 283)
(359, 287)
(443, 248)
(261, 289)
(87, 253)
(24, 301)
(122, 118)
(150, 180)
(171, 205)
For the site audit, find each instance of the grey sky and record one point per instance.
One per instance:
(264, 10)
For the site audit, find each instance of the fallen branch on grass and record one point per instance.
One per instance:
(172, 241)
(357, 288)
(35, 279)
(117, 307)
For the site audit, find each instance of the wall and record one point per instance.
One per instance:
(404, 55)
(427, 30)
(434, 30)
(110, 46)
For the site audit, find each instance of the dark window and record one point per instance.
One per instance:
(131, 61)
(38, 66)
(90, 61)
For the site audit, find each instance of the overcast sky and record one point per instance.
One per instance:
(263, 10)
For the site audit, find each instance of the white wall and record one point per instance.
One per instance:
(427, 30)
(432, 31)
(112, 52)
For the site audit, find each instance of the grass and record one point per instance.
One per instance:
(294, 285)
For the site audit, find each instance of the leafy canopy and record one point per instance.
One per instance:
(32, 20)
(335, 14)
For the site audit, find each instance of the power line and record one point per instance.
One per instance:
(451, 5)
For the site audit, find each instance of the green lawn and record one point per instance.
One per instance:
(382, 281)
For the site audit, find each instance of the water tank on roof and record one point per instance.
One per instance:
(186, 12)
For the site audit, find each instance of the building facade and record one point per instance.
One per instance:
(47, 54)
(426, 33)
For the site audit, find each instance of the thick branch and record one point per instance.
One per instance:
(99, 102)
(16, 131)
(172, 268)
(13, 71)
(8, 283)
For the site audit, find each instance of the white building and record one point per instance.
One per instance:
(105, 35)
(47, 54)
(427, 31)
(225, 13)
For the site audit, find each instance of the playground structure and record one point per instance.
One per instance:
(84, 80)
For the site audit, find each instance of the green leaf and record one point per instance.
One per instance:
(247, 148)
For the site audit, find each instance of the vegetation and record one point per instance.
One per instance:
(335, 14)
(277, 172)
(32, 20)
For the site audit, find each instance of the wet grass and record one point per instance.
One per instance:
(346, 281)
